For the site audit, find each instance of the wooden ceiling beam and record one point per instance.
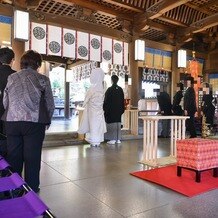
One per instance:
(120, 3)
(205, 23)
(154, 25)
(33, 3)
(27, 4)
(143, 25)
(183, 39)
(6, 10)
(161, 7)
(172, 21)
(201, 25)
(200, 9)
(20, 3)
(210, 3)
(157, 10)
(97, 7)
(6, 1)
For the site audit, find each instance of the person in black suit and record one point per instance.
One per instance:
(208, 104)
(6, 61)
(177, 108)
(190, 107)
(113, 109)
(164, 102)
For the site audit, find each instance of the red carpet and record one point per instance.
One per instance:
(186, 185)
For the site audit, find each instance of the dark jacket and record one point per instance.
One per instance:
(190, 101)
(164, 102)
(208, 107)
(5, 71)
(113, 104)
(177, 109)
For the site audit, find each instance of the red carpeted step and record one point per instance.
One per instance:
(186, 185)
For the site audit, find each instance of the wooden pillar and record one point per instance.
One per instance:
(175, 72)
(66, 96)
(18, 48)
(134, 72)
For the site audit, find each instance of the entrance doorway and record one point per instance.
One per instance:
(57, 79)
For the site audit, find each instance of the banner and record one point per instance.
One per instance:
(69, 43)
(117, 52)
(38, 37)
(126, 54)
(52, 40)
(106, 50)
(82, 46)
(95, 47)
(54, 46)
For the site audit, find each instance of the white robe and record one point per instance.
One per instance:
(93, 121)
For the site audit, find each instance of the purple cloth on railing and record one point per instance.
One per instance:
(27, 206)
(11, 182)
(3, 164)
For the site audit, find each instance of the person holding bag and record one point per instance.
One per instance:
(25, 129)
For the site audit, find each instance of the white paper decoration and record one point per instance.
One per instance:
(38, 37)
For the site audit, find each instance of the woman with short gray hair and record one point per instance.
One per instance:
(25, 128)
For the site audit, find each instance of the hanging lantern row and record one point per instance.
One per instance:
(119, 70)
(155, 75)
(83, 71)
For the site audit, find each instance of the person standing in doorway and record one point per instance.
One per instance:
(208, 104)
(24, 121)
(177, 108)
(113, 109)
(164, 102)
(6, 61)
(190, 107)
(93, 123)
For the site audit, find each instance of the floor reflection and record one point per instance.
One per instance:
(63, 125)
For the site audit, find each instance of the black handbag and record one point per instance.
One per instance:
(3, 145)
(43, 111)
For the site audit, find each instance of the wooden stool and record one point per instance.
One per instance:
(198, 155)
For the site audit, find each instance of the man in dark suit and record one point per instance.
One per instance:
(165, 107)
(6, 61)
(177, 108)
(113, 109)
(190, 107)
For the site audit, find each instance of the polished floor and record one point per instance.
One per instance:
(63, 125)
(89, 182)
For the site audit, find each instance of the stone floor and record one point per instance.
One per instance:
(63, 125)
(86, 182)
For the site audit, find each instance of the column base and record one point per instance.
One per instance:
(163, 161)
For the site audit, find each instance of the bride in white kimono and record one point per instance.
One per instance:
(93, 122)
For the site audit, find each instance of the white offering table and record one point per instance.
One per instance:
(150, 139)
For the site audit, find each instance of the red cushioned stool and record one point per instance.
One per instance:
(197, 154)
